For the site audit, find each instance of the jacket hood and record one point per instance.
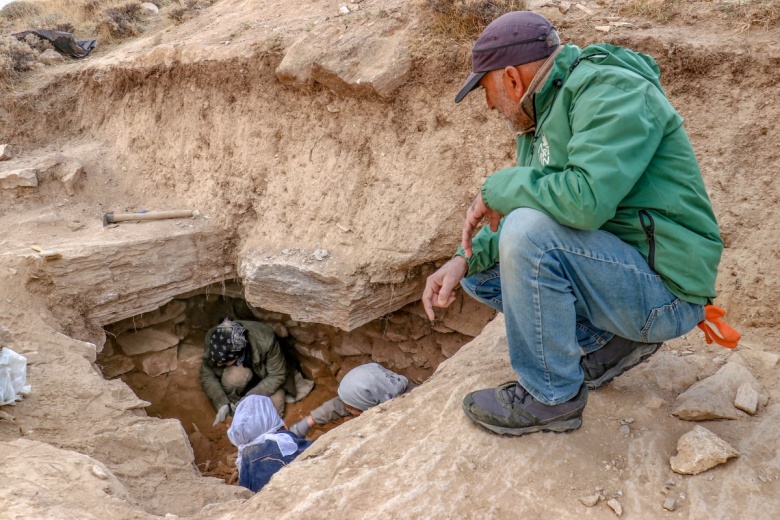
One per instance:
(637, 62)
(603, 53)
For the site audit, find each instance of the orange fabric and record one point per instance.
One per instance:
(717, 330)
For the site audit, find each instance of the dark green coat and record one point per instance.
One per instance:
(268, 363)
(610, 152)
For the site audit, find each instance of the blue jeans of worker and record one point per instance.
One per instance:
(565, 292)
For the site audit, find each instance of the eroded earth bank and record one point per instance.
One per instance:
(330, 172)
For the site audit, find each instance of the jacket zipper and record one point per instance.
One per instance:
(558, 86)
(649, 229)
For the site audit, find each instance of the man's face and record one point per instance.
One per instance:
(499, 97)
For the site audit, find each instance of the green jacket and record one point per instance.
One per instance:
(610, 152)
(268, 363)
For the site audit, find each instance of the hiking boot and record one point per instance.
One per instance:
(510, 410)
(614, 358)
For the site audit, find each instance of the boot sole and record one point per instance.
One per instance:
(557, 427)
(637, 357)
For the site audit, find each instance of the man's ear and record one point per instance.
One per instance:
(513, 83)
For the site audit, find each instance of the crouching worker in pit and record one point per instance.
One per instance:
(244, 358)
(362, 388)
(264, 446)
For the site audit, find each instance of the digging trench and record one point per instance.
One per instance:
(158, 355)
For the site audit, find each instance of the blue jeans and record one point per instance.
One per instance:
(565, 292)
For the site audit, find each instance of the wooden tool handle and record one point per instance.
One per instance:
(151, 215)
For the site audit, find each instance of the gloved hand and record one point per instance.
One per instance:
(221, 414)
(301, 428)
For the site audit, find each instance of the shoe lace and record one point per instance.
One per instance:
(512, 393)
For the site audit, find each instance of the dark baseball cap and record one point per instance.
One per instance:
(511, 39)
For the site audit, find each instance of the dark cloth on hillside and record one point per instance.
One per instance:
(64, 42)
(264, 357)
(259, 462)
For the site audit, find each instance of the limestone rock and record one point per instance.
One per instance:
(755, 359)
(699, 450)
(467, 316)
(667, 372)
(713, 398)
(670, 504)
(320, 292)
(116, 366)
(451, 343)
(190, 356)
(747, 399)
(353, 344)
(70, 172)
(590, 500)
(150, 7)
(5, 152)
(173, 311)
(150, 339)
(615, 506)
(367, 59)
(19, 178)
(158, 363)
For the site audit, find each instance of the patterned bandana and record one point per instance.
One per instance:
(227, 342)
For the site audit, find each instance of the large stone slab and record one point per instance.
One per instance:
(363, 59)
(321, 292)
(19, 178)
(158, 363)
(136, 267)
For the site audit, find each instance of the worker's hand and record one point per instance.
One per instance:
(439, 286)
(301, 428)
(475, 214)
(221, 414)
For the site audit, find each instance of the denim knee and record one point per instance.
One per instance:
(526, 229)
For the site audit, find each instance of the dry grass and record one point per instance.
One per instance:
(463, 20)
(761, 14)
(17, 56)
(660, 11)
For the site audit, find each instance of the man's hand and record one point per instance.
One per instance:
(475, 214)
(439, 285)
(221, 414)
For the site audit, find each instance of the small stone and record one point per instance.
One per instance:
(670, 504)
(699, 450)
(150, 7)
(98, 472)
(591, 500)
(625, 430)
(321, 254)
(746, 399)
(763, 479)
(654, 402)
(343, 9)
(5, 152)
(670, 483)
(603, 28)
(615, 506)
(564, 7)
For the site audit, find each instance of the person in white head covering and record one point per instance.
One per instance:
(264, 446)
(362, 388)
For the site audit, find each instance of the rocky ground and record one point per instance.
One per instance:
(330, 171)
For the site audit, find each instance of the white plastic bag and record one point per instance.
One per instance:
(13, 376)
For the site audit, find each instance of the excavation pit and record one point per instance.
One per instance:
(158, 355)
